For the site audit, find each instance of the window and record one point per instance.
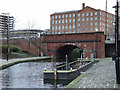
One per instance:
(78, 29)
(73, 20)
(52, 21)
(52, 17)
(73, 26)
(73, 15)
(59, 16)
(91, 18)
(55, 17)
(87, 24)
(91, 24)
(91, 14)
(96, 29)
(59, 32)
(79, 19)
(66, 27)
(59, 21)
(87, 19)
(87, 29)
(95, 18)
(87, 14)
(78, 24)
(56, 27)
(83, 14)
(66, 21)
(70, 27)
(66, 15)
(59, 27)
(62, 16)
(69, 15)
(83, 24)
(63, 27)
(83, 29)
(52, 32)
(95, 23)
(73, 31)
(69, 20)
(91, 29)
(56, 22)
(66, 32)
(62, 21)
(52, 27)
(83, 19)
(78, 14)
(95, 13)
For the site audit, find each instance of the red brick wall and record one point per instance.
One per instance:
(24, 45)
(93, 41)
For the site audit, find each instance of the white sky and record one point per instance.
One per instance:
(37, 12)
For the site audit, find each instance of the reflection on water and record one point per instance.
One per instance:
(28, 75)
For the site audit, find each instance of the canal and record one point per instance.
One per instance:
(29, 75)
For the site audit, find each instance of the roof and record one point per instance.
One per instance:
(66, 12)
(78, 11)
(27, 30)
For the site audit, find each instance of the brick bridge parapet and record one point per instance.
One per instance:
(92, 42)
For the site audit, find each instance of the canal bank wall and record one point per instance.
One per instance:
(5, 64)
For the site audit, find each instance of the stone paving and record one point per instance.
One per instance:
(100, 75)
(4, 63)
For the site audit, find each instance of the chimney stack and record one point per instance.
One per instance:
(83, 5)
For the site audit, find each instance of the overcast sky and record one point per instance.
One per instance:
(37, 12)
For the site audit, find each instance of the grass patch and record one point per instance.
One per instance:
(21, 54)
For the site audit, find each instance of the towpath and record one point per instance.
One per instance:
(4, 63)
(100, 75)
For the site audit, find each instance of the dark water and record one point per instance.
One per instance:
(28, 75)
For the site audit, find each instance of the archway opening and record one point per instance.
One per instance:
(66, 50)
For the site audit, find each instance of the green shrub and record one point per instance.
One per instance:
(12, 48)
(4, 49)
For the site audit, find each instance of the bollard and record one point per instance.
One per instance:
(55, 74)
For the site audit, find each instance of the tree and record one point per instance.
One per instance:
(76, 53)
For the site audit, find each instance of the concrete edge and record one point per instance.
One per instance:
(22, 61)
(116, 85)
(72, 84)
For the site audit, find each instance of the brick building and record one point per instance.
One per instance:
(87, 19)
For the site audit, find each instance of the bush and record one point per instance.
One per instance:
(12, 48)
(4, 49)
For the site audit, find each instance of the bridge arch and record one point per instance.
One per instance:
(62, 51)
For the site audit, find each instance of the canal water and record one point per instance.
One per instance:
(29, 75)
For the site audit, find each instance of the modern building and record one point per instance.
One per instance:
(26, 33)
(6, 22)
(87, 19)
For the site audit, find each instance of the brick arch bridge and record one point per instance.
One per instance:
(61, 44)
